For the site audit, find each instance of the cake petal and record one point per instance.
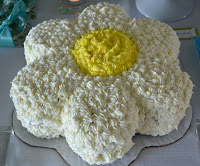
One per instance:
(163, 93)
(103, 15)
(100, 119)
(53, 37)
(39, 90)
(153, 37)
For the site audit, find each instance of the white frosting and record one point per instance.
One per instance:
(153, 37)
(100, 115)
(51, 37)
(162, 92)
(38, 92)
(57, 37)
(103, 15)
(100, 119)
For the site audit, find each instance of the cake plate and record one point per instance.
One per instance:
(141, 142)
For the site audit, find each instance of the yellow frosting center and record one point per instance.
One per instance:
(104, 52)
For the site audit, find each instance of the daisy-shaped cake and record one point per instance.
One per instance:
(100, 79)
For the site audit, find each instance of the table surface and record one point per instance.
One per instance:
(182, 153)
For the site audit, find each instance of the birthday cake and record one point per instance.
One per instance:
(99, 79)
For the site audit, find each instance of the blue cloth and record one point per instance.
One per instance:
(197, 45)
(19, 9)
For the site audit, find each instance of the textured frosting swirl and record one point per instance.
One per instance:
(57, 37)
(104, 52)
(97, 111)
(38, 92)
